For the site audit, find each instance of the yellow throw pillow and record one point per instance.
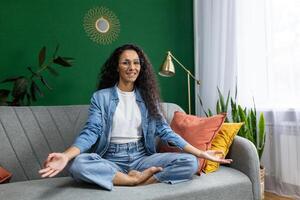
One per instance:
(222, 141)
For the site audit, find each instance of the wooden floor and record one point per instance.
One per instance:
(272, 196)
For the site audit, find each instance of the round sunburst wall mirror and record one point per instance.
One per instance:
(101, 25)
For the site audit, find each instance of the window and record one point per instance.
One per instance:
(268, 53)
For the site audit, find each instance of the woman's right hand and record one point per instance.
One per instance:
(54, 164)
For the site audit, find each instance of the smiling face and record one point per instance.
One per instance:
(129, 68)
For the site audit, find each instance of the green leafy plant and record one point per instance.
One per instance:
(27, 87)
(251, 130)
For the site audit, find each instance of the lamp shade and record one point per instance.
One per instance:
(167, 69)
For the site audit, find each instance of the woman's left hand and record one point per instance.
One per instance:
(216, 156)
(213, 155)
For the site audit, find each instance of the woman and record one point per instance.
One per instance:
(117, 144)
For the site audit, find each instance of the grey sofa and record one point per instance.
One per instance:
(28, 134)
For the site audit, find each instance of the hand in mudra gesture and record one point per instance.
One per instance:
(54, 164)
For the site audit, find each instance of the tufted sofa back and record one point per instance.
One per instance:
(29, 134)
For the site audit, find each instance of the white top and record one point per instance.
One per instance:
(127, 120)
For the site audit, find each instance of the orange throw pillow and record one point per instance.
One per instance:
(5, 175)
(198, 131)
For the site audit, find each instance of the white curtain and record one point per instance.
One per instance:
(281, 156)
(264, 50)
(214, 37)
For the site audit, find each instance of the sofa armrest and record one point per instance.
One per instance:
(245, 159)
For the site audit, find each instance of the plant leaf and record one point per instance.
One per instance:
(236, 89)
(249, 136)
(252, 115)
(11, 79)
(254, 105)
(55, 52)
(60, 61)
(34, 88)
(28, 99)
(221, 99)
(242, 131)
(42, 56)
(262, 134)
(45, 83)
(32, 72)
(210, 113)
(245, 111)
(242, 114)
(52, 71)
(20, 88)
(3, 97)
(69, 59)
(218, 107)
(15, 102)
(234, 113)
(227, 100)
(200, 100)
(32, 92)
(250, 129)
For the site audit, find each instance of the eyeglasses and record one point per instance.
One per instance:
(128, 62)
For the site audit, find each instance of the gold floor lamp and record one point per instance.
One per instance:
(168, 70)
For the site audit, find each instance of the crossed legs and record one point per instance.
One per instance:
(134, 177)
(163, 167)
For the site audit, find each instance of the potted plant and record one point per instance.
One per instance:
(27, 87)
(252, 129)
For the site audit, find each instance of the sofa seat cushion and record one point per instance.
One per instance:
(226, 183)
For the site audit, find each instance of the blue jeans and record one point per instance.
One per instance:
(90, 167)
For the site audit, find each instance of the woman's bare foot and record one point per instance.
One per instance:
(141, 177)
(151, 180)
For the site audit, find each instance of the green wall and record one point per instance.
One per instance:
(155, 25)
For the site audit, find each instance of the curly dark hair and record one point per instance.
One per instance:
(145, 82)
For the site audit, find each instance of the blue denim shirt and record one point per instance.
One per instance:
(95, 136)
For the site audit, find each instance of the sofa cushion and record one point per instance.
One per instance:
(222, 184)
(222, 142)
(198, 131)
